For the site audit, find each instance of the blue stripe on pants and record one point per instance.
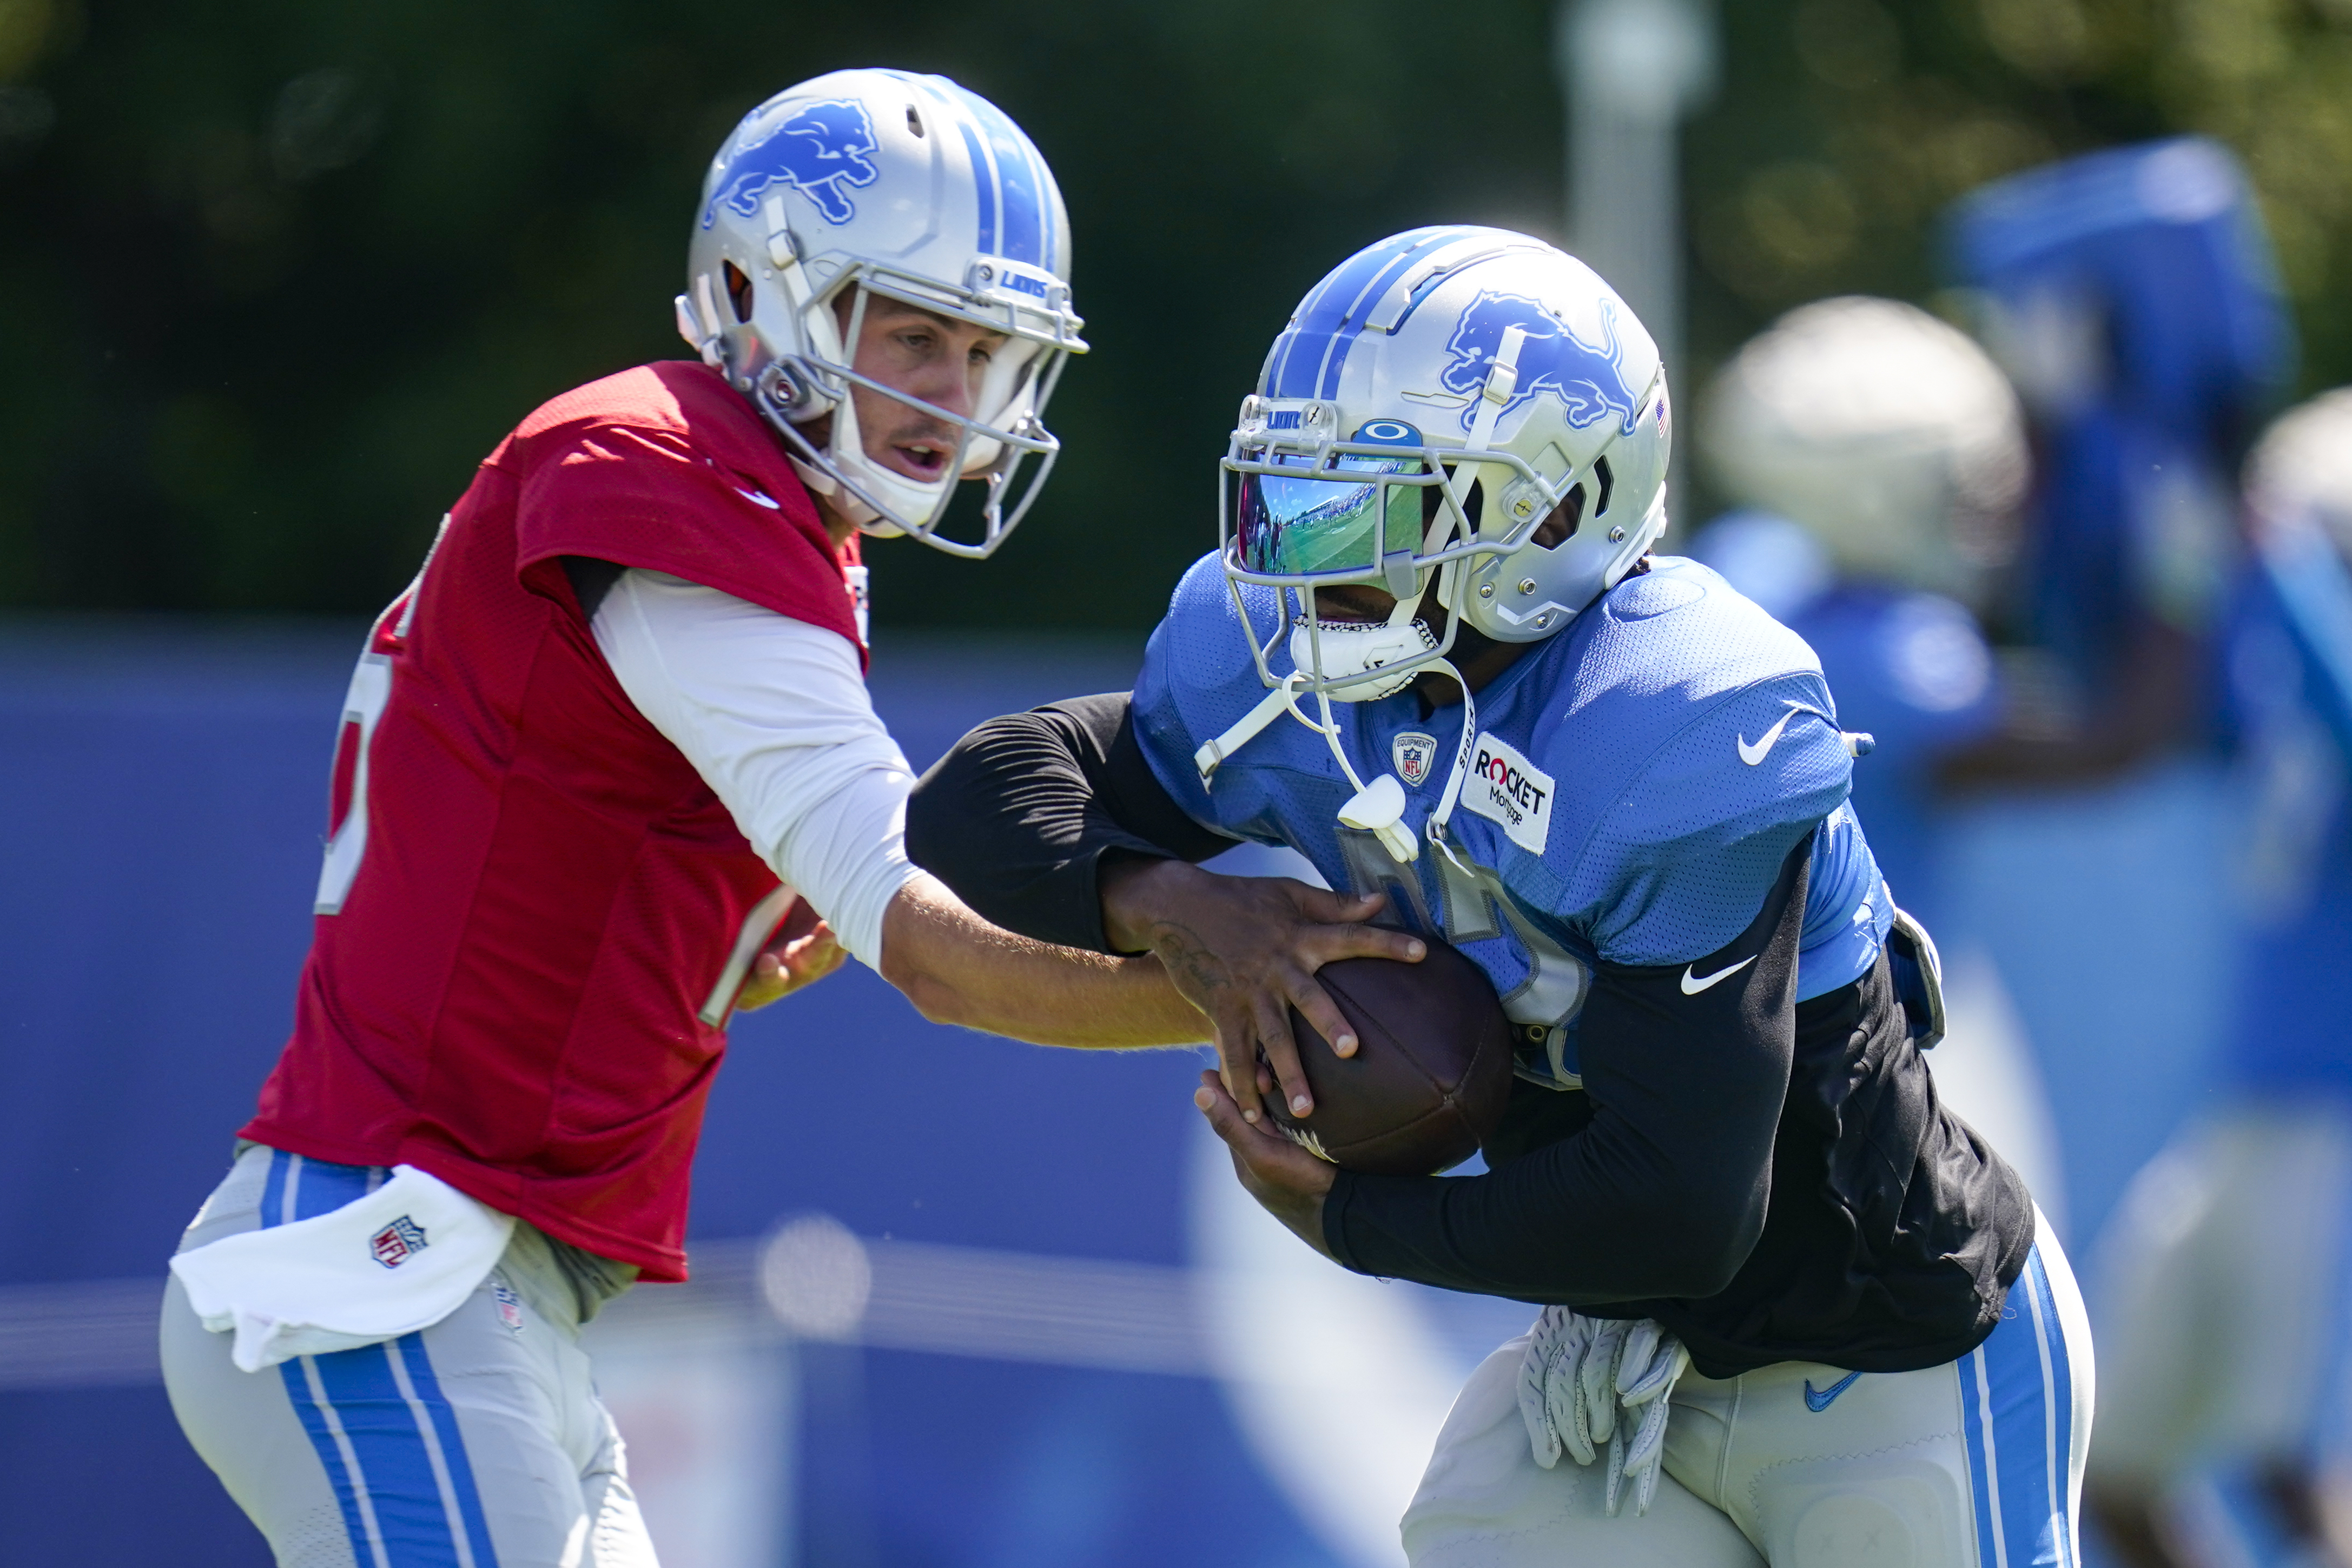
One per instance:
(273, 1190)
(2018, 1413)
(317, 1187)
(322, 1438)
(393, 1453)
(410, 1348)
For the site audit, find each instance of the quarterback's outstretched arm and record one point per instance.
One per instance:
(774, 716)
(1053, 823)
(958, 968)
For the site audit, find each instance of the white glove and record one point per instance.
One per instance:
(1579, 1373)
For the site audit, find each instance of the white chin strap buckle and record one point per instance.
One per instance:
(1358, 647)
(1379, 808)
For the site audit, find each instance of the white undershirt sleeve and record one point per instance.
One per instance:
(773, 713)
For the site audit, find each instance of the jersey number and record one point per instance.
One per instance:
(363, 705)
(1542, 1007)
(347, 814)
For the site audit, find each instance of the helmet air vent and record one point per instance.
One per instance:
(914, 120)
(738, 291)
(1608, 482)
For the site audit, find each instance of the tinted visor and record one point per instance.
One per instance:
(1311, 526)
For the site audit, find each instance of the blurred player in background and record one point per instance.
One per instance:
(1886, 457)
(2131, 297)
(1882, 455)
(2225, 1429)
(622, 699)
(1796, 1307)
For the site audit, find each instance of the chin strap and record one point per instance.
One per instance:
(1495, 395)
(1377, 808)
(1436, 827)
(1283, 699)
(1381, 810)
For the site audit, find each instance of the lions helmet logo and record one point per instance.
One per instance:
(819, 150)
(1587, 378)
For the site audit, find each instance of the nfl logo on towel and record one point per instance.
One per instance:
(1412, 752)
(397, 1242)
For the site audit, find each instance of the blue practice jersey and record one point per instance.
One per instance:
(1908, 668)
(2290, 686)
(1911, 670)
(1638, 781)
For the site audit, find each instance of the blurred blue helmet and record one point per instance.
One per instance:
(2138, 279)
(2131, 295)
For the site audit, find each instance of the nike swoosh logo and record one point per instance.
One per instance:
(1752, 755)
(1818, 1400)
(775, 506)
(1693, 985)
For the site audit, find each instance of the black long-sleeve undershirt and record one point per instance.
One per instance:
(1018, 817)
(1772, 1180)
(1663, 1187)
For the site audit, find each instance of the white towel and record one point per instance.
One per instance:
(397, 1261)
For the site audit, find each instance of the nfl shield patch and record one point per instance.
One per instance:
(509, 1305)
(1412, 753)
(398, 1242)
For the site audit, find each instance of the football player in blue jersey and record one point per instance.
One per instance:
(1790, 1303)
(1881, 459)
(2226, 1436)
(2132, 295)
(1885, 456)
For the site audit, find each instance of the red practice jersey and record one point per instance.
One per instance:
(530, 896)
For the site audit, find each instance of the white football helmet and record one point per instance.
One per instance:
(1888, 435)
(868, 182)
(1432, 402)
(2300, 472)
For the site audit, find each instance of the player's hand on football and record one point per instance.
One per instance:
(1243, 950)
(802, 953)
(1287, 1180)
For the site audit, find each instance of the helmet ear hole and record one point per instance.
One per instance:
(739, 292)
(1566, 517)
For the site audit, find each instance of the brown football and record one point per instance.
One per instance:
(1431, 1072)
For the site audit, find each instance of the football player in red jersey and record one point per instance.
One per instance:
(592, 761)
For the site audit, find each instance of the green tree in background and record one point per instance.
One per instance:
(274, 278)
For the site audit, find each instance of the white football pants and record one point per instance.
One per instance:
(476, 1443)
(1974, 1464)
(2222, 1284)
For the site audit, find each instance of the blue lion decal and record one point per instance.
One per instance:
(817, 151)
(1589, 378)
